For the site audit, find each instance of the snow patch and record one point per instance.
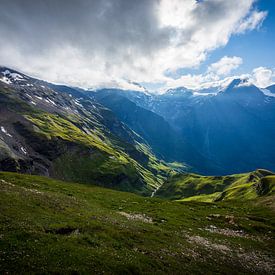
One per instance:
(267, 92)
(5, 80)
(6, 72)
(5, 131)
(77, 103)
(23, 150)
(14, 76)
(204, 94)
(51, 101)
(245, 83)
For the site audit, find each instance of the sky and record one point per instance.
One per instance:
(160, 44)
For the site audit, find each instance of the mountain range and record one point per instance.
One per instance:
(227, 131)
(217, 131)
(50, 130)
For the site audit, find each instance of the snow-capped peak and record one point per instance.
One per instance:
(267, 92)
(10, 77)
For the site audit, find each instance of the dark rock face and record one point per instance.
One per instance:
(10, 165)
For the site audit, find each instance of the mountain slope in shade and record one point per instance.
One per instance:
(49, 132)
(271, 89)
(233, 128)
(157, 132)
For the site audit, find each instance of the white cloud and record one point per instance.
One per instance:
(217, 75)
(211, 78)
(253, 21)
(263, 77)
(95, 43)
(260, 77)
(225, 65)
(201, 81)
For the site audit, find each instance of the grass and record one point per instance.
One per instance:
(108, 165)
(50, 226)
(251, 186)
(193, 187)
(187, 185)
(203, 198)
(51, 125)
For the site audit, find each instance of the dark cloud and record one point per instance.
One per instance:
(105, 25)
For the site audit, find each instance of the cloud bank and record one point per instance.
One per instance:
(98, 43)
(263, 77)
(225, 65)
(218, 76)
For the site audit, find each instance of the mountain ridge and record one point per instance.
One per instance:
(232, 128)
(206, 132)
(54, 133)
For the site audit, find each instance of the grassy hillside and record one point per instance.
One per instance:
(50, 226)
(92, 159)
(216, 188)
(75, 140)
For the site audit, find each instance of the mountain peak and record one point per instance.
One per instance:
(238, 82)
(10, 76)
(242, 87)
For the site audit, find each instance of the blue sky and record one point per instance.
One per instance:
(256, 48)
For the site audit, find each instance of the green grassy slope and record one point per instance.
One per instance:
(49, 226)
(216, 188)
(93, 160)
(255, 184)
(84, 146)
